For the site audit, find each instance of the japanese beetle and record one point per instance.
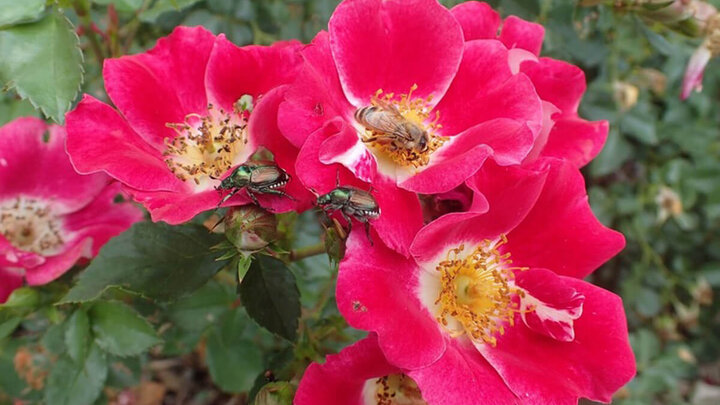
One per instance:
(255, 177)
(351, 202)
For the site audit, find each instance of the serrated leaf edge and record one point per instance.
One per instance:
(10, 85)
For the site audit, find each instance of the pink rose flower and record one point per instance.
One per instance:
(189, 110)
(358, 375)
(559, 84)
(491, 307)
(50, 216)
(361, 375)
(459, 103)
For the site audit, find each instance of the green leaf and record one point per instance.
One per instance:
(14, 11)
(233, 362)
(121, 331)
(616, 152)
(10, 383)
(243, 265)
(23, 298)
(645, 345)
(648, 302)
(77, 335)
(123, 6)
(270, 295)
(203, 308)
(42, 61)
(155, 260)
(12, 107)
(124, 372)
(640, 128)
(54, 339)
(657, 41)
(162, 6)
(8, 326)
(70, 383)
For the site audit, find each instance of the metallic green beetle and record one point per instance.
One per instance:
(351, 202)
(255, 177)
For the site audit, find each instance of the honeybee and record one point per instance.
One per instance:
(391, 128)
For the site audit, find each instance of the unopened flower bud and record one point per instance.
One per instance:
(669, 204)
(688, 316)
(652, 79)
(276, 393)
(686, 355)
(695, 69)
(702, 292)
(626, 95)
(250, 228)
(667, 328)
(701, 57)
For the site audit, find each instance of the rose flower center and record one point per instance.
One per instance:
(397, 128)
(207, 146)
(477, 291)
(394, 389)
(30, 225)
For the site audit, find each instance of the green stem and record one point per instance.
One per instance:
(307, 251)
(82, 9)
(325, 295)
(133, 26)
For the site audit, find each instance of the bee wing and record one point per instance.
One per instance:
(384, 122)
(390, 108)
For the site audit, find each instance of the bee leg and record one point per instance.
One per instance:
(227, 197)
(252, 197)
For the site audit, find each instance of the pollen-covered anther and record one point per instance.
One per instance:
(477, 292)
(397, 389)
(206, 145)
(402, 128)
(30, 225)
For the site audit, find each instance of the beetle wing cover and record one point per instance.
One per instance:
(363, 199)
(263, 175)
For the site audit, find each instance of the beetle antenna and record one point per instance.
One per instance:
(315, 193)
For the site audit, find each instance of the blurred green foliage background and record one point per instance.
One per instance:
(657, 181)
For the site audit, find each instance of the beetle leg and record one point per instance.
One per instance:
(252, 196)
(277, 192)
(366, 222)
(227, 197)
(347, 218)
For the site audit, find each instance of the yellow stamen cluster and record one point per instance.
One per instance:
(206, 146)
(477, 292)
(30, 225)
(415, 111)
(398, 389)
